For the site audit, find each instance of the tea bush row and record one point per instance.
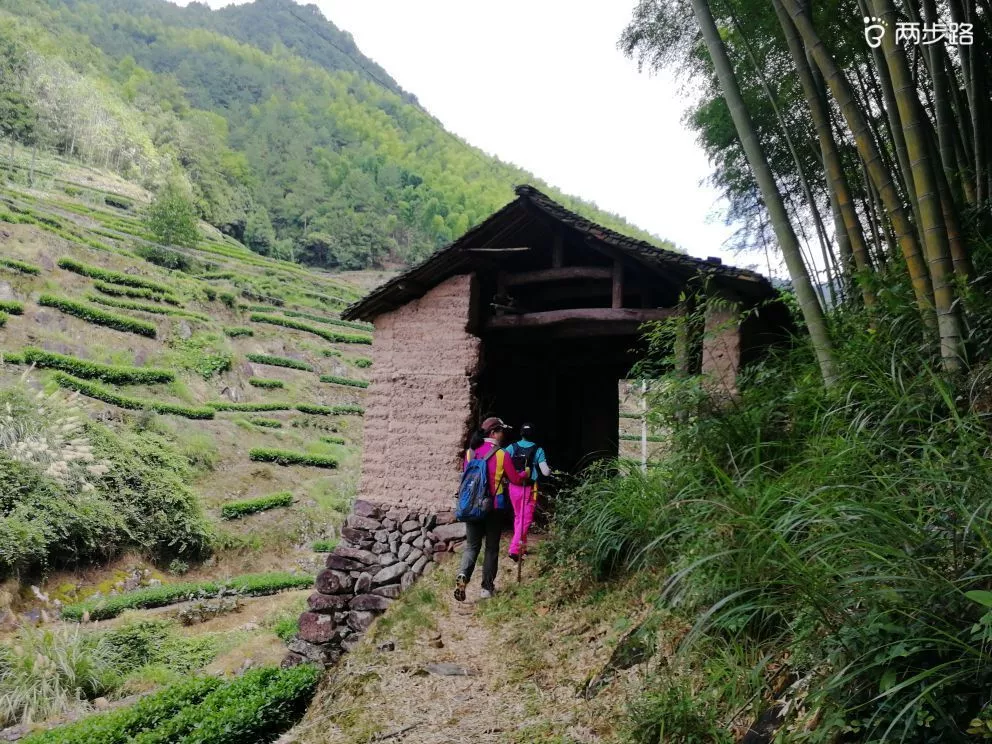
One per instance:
(49, 224)
(347, 338)
(136, 293)
(109, 373)
(329, 321)
(120, 726)
(258, 706)
(13, 307)
(333, 379)
(92, 390)
(264, 382)
(289, 457)
(166, 594)
(252, 295)
(326, 299)
(236, 331)
(342, 410)
(235, 509)
(145, 308)
(266, 423)
(249, 407)
(21, 266)
(277, 361)
(254, 708)
(114, 277)
(99, 317)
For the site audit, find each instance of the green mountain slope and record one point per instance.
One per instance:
(291, 140)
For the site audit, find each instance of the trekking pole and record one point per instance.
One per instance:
(520, 568)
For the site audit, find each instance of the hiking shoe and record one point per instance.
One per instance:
(486, 594)
(460, 582)
(515, 557)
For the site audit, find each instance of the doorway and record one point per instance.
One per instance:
(566, 387)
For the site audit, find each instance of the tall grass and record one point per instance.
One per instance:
(840, 538)
(49, 672)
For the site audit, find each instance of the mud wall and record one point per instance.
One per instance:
(722, 348)
(419, 405)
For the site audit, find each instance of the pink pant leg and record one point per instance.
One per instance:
(527, 516)
(519, 495)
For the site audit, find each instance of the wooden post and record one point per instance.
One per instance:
(617, 285)
(644, 426)
(685, 337)
(558, 252)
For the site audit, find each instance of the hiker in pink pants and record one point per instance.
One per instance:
(529, 460)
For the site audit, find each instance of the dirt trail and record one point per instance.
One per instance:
(522, 662)
(419, 706)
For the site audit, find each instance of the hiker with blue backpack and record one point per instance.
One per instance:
(482, 503)
(529, 459)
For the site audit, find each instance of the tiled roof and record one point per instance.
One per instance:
(454, 258)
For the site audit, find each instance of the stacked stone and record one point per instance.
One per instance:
(382, 552)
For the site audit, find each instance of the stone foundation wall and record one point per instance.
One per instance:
(419, 405)
(383, 550)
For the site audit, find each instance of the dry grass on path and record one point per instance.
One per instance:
(526, 656)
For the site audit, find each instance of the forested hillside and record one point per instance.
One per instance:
(286, 136)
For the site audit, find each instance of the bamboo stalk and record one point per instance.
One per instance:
(933, 225)
(883, 181)
(847, 226)
(808, 302)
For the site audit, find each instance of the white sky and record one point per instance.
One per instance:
(541, 84)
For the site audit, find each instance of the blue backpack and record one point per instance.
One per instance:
(474, 499)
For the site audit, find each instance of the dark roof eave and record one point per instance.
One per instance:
(450, 259)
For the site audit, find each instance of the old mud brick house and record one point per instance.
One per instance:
(532, 314)
(535, 314)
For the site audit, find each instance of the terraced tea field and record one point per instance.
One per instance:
(237, 364)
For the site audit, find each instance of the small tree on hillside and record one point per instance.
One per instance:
(259, 233)
(172, 218)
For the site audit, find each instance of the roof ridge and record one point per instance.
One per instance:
(452, 257)
(596, 229)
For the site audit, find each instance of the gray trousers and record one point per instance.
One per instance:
(489, 529)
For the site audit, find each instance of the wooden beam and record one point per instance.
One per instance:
(515, 249)
(617, 285)
(559, 275)
(558, 251)
(657, 274)
(581, 315)
(582, 291)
